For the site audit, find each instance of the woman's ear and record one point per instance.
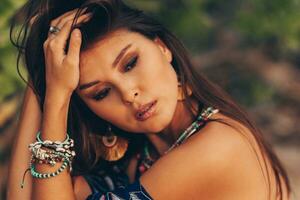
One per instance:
(164, 49)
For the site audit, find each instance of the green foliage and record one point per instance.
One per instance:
(186, 18)
(261, 20)
(9, 79)
(197, 22)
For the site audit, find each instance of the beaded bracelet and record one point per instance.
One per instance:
(44, 154)
(67, 143)
(48, 175)
(59, 151)
(50, 162)
(38, 138)
(50, 157)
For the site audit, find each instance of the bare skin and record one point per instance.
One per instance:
(29, 124)
(212, 164)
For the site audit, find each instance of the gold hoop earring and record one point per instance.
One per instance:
(115, 147)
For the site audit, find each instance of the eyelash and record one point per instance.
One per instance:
(103, 93)
(131, 64)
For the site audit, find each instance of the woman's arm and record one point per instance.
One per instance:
(29, 124)
(218, 163)
(54, 125)
(62, 78)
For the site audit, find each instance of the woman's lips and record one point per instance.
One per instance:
(146, 111)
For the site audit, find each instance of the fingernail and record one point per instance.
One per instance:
(77, 32)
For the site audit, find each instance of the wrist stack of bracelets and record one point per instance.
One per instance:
(49, 152)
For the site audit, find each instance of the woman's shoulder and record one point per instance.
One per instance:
(218, 162)
(223, 133)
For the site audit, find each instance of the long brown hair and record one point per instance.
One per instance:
(29, 30)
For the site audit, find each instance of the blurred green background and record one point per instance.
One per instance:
(250, 48)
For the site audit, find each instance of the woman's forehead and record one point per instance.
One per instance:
(114, 41)
(110, 46)
(107, 51)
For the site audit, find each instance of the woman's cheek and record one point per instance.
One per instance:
(114, 110)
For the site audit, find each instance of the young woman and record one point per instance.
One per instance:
(145, 123)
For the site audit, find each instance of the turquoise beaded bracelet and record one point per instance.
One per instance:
(48, 175)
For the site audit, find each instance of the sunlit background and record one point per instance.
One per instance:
(249, 47)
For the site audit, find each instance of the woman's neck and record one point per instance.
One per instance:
(181, 120)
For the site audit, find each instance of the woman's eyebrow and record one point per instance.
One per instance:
(121, 54)
(117, 60)
(87, 85)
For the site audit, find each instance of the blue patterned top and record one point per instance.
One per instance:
(113, 184)
(133, 191)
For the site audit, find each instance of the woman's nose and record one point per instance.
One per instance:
(129, 91)
(130, 97)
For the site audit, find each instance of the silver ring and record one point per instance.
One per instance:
(53, 30)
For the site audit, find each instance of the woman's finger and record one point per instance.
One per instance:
(70, 16)
(66, 27)
(32, 20)
(57, 20)
(74, 46)
(62, 36)
(61, 20)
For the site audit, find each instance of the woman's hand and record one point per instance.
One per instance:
(62, 69)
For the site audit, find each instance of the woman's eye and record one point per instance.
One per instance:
(102, 94)
(131, 64)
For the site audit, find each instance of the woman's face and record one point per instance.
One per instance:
(127, 79)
